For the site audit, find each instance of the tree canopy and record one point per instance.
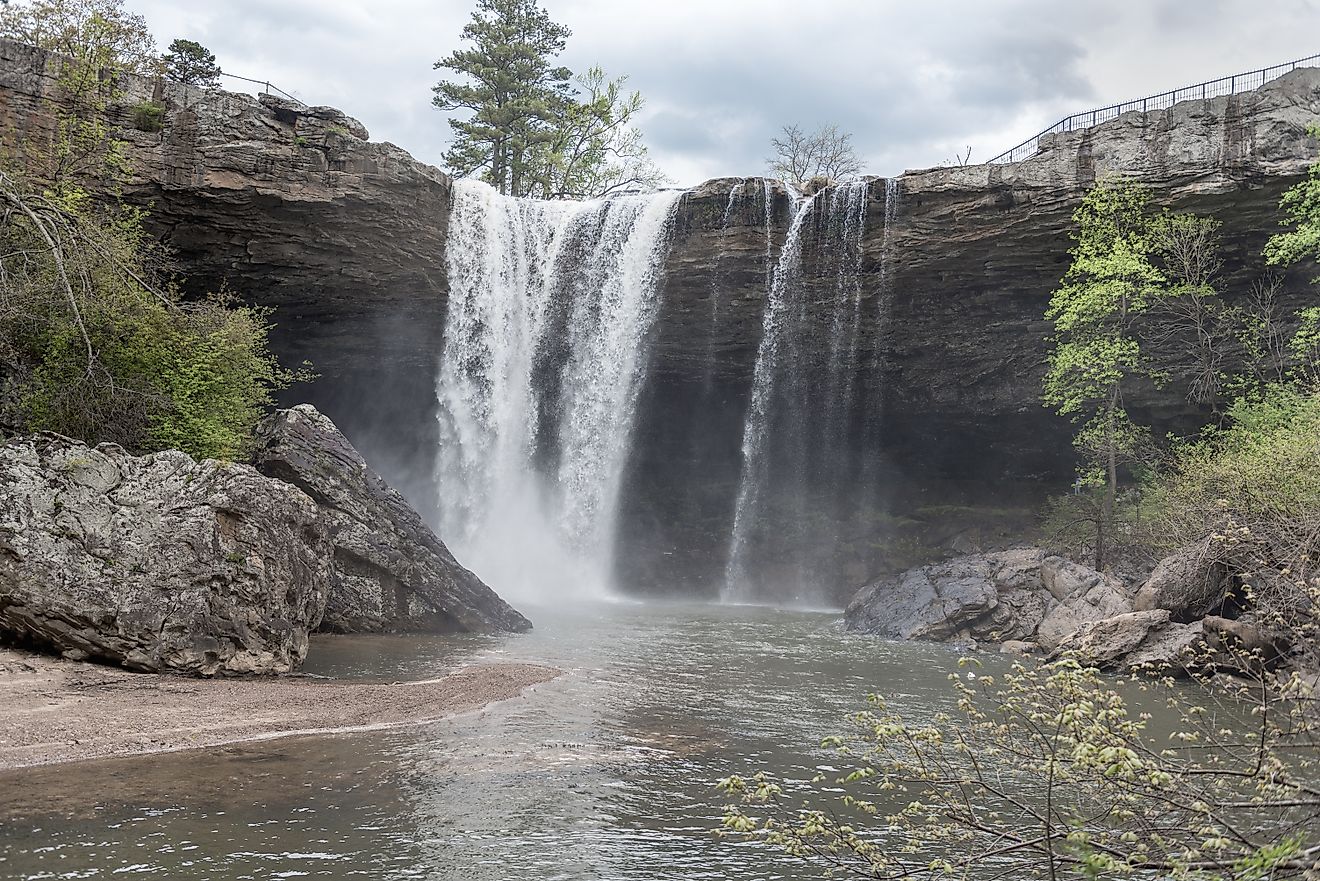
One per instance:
(100, 33)
(191, 63)
(528, 126)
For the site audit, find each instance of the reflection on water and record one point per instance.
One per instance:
(605, 773)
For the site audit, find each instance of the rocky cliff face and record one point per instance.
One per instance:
(294, 208)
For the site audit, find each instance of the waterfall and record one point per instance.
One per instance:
(755, 427)
(550, 305)
(801, 462)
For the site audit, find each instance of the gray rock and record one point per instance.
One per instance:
(1018, 647)
(1095, 597)
(159, 562)
(1104, 643)
(1189, 583)
(1018, 615)
(1064, 578)
(933, 602)
(391, 572)
(983, 596)
(1173, 648)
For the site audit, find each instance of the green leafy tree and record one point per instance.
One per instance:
(1301, 207)
(512, 90)
(596, 150)
(1096, 354)
(100, 34)
(96, 342)
(192, 64)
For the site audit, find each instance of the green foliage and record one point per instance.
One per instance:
(1301, 208)
(100, 346)
(99, 34)
(1261, 471)
(149, 116)
(191, 63)
(530, 128)
(596, 150)
(1048, 772)
(1111, 281)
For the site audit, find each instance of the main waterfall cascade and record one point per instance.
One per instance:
(549, 307)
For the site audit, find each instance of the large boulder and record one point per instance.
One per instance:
(995, 596)
(932, 602)
(159, 563)
(1189, 583)
(1065, 579)
(1103, 643)
(391, 572)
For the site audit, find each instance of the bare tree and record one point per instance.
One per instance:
(826, 153)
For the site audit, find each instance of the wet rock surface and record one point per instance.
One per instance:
(390, 571)
(158, 563)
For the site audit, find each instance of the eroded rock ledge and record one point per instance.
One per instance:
(294, 208)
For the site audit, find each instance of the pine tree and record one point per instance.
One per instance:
(512, 88)
(192, 64)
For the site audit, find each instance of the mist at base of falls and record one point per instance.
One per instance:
(547, 371)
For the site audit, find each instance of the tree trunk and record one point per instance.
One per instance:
(1111, 485)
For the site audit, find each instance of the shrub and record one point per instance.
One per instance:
(101, 346)
(149, 117)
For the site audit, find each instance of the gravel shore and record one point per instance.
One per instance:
(53, 710)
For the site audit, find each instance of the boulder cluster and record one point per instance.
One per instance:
(1030, 602)
(162, 563)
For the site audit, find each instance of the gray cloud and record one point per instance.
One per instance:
(915, 84)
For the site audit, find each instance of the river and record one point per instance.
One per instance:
(607, 772)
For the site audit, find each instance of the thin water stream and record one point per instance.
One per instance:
(606, 773)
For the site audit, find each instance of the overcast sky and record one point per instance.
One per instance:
(916, 83)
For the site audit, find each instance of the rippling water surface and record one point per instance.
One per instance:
(605, 773)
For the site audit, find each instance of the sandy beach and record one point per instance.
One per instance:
(53, 711)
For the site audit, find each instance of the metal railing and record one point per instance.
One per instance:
(267, 87)
(1228, 85)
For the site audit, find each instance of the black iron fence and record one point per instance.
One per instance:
(1228, 85)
